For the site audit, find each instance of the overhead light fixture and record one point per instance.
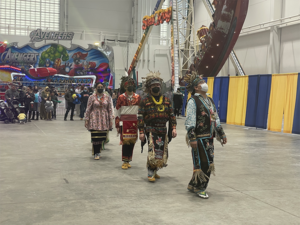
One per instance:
(5, 42)
(97, 43)
(212, 56)
(206, 66)
(217, 44)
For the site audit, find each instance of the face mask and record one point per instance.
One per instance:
(100, 90)
(204, 87)
(130, 89)
(155, 90)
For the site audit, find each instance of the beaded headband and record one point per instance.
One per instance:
(192, 80)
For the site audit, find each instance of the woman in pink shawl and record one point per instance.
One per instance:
(99, 117)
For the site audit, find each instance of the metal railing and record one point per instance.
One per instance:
(283, 22)
(80, 34)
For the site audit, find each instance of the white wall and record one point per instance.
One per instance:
(290, 49)
(106, 15)
(201, 15)
(291, 8)
(259, 11)
(252, 51)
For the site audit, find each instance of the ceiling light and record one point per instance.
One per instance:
(5, 42)
(97, 43)
(212, 56)
(206, 66)
(217, 44)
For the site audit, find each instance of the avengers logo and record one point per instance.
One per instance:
(39, 35)
(16, 58)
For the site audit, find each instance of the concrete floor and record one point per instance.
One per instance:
(47, 176)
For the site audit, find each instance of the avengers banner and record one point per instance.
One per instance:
(74, 61)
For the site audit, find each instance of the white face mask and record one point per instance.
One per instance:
(204, 87)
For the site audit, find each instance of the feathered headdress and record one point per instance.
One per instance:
(127, 81)
(192, 80)
(153, 78)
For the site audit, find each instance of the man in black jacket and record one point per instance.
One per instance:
(84, 100)
(177, 99)
(71, 105)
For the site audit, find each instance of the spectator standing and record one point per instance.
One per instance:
(12, 93)
(28, 102)
(44, 95)
(70, 104)
(178, 101)
(36, 104)
(54, 99)
(77, 106)
(84, 100)
(22, 92)
(49, 109)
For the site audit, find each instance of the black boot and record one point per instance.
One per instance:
(72, 114)
(66, 114)
(33, 115)
(37, 115)
(29, 116)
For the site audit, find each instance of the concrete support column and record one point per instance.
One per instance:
(275, 38)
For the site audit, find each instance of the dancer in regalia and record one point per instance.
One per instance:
(155, 110)
(126, 119)
(202, 124)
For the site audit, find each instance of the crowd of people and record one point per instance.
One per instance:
(38, 103)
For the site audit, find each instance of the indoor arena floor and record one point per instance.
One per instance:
(48, 177)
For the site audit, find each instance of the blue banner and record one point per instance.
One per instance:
(223, 98)
(296, 124)
(262, 109)
(217, 92)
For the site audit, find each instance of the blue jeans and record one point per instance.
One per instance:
(82, 109)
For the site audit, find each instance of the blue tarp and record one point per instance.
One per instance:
(263, 101)
(217, 92)
(296, 124)
(223, 98)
